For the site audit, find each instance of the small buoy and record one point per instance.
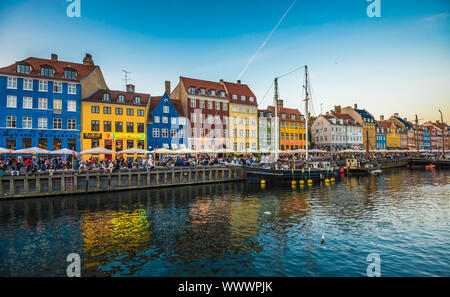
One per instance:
(310, 181)
(332, 180)
(293, 183)
(267, 213)
(263, 182)
(322, 240)
(302, 182)
(327, 180)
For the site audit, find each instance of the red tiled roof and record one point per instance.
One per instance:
(207, 85)
(82, 70)
(154, 101)
(129, 97)
(287, 111)
(240, 90)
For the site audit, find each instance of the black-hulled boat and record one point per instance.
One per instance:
(357, 167)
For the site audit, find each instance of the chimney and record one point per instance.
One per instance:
(221, 81)
(54, 57)
(238, 81)
(88, 60)
(381, 118)
(280, 103)
(337, 109)
(167, 87)
(356, 106)
(396, 114)
(130, 88)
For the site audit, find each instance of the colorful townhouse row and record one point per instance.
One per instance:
(356, 128)
(53, 104)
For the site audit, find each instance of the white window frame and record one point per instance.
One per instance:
(166, 109)
(11, 101)
(72, 89)
(10, 120)
(27, 84)
(42, 123)
(29, 121)
(57, 87)
(73, 123)
(58, 122)
(12, 83)
(43, 86)
(156, 119)
(72, 105)
(165, 132)
(29, 101)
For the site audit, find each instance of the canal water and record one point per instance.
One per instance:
(236, 229)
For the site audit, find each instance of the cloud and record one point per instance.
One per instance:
(437, 17)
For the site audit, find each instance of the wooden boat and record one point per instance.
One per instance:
(357, 167)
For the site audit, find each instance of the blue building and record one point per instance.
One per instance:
(380, 135)
(426, 139)
(167, 125)
(40, 103)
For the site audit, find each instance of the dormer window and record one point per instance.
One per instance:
(293, 117)
(202, 91)
(234, 97)
(120, 98)
(137, 100)
(243, 98)
(221, 93)
(212, 92)
(46, 71)
(22, 68)
(251, 99)
(192, 90)
(70, 74)
(106, 97)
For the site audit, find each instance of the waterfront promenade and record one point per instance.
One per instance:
(70, 182)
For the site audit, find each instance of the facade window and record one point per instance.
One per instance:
(212, 92)
(23, 68)
(234, 108)
(106, 97)
(137, 100)
(107, 110)
(70, 74)
(192, 90)
(57, 87)
(225, 106)
(173, 121)
(26, 142)
(242, 98)
(155, 132)
(12, 83)
(165, 120)
(130, 127)
(107, 126)
(27, 102)
(11, 101)
(181, 134)
(193, 118)
(119, 111)
(71, 124)
(57, 123)
(119, 127)
(42, 123)
(27, 84)
(140, 128)
(217, 105)
(11, 122)
(202, 104)
(27, 123)
(156, 119)
(95, 109)
(217, 119)
(173, 133)
(182, 121)
(72, 89)
(46, 71)
(130, 144)
(210, 105)
(193, 103)
(95, 125)
(71, 105)
(120, 98)
(140, 112)
(57, 104)
(166, 109)
(42, 143)
(130, 111)
(43, 86)
(165, 133)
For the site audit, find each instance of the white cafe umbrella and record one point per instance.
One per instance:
(185, 151)
(134, 151)
(4, 150)
(64, 151)
(162, 151)
(97, 151)
(32, 150)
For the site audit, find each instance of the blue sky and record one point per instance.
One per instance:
(397, 63)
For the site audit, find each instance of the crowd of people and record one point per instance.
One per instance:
(38, 165)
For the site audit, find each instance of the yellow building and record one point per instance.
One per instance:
(367, 121)
(292, 128)
(114, 120)
(393, 134)
(243, 117)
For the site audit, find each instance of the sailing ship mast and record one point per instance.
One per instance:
(277, 131)
(306, 110)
